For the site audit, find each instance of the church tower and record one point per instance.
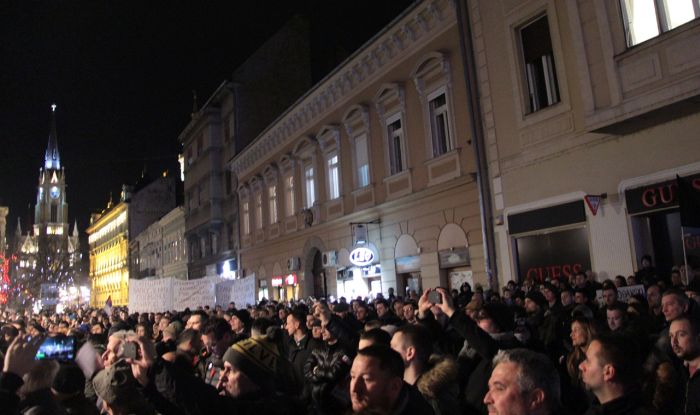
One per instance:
(49, 253)
(51, 211)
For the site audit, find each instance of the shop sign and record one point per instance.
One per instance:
(456, 257)
(407, 264)
(656, 196)
(290, 279)
(553, 255)
(277, 281)
(361, 256)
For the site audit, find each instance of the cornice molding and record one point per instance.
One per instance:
(415, 27)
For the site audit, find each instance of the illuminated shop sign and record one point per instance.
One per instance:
(361, 256)
(289, 279)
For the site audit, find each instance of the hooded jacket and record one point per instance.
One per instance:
(439, 386)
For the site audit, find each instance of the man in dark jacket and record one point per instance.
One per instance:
(300, 344)
(326, 370)
(685, 341)
(612, 370)
(523, 382)
(377, 386)
(490, 333)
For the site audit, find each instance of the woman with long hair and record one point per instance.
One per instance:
(583, 330)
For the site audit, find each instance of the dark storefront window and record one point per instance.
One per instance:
(656, 226)
(542, 249)
(552, 255)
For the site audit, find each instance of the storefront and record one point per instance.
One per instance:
(263, 292)
(285, 287)
(550, 243)
(363, 278)
(456, 267)
(655, 224)
(408, 276)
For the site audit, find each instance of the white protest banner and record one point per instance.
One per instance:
(150, 295)
(223, 293)
(243, 291)
(194, 293)
(623, 293)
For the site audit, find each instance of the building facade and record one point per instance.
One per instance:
(111, 231)
(588, 98)
(367, 183)
(261, 88)
(108, 238)
(49, 253)
(160, 251)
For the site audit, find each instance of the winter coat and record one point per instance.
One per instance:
(439, 386)
(9, 400)
(691, 388)
(175, 391)
(486, 346)
(327, 371)
(411, 402)
(298, 353)
(40, 402)
(624, 405)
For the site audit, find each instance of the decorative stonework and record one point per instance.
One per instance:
(417, 26)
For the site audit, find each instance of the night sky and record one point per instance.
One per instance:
(122, 75)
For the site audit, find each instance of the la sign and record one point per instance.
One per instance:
(361, 256)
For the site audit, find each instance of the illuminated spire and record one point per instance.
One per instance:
(52, 160)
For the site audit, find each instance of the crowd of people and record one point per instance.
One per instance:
(530, 348)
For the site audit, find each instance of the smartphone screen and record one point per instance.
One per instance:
(434, 297)
(57, 348)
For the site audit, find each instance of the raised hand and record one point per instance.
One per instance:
(19, 358)
(144, 359)
(447, 305)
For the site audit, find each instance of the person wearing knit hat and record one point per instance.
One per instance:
(68, 389)
(240, 324)
(116, 387)
(249, 366)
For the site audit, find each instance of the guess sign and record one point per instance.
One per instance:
(553, 255)
(361, 256)
(657, 196)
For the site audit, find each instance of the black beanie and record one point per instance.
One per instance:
(69, 380)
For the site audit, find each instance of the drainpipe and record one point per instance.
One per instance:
(477, 130)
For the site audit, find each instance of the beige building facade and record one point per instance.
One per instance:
(587, 98)
(367, 183)
(160, 251)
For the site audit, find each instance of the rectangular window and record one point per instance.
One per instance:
(310, 190)
(439, 125)
(258, 211)
(190, 159)
(246, 218)
(361, 161)
(289, 196)
(646, 19)
(200, 145)
(396, 150)
(227, 179)
(54, 213)
(538, 57)
(333, 177)
(272, 194)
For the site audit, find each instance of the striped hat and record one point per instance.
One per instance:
(255, 357)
